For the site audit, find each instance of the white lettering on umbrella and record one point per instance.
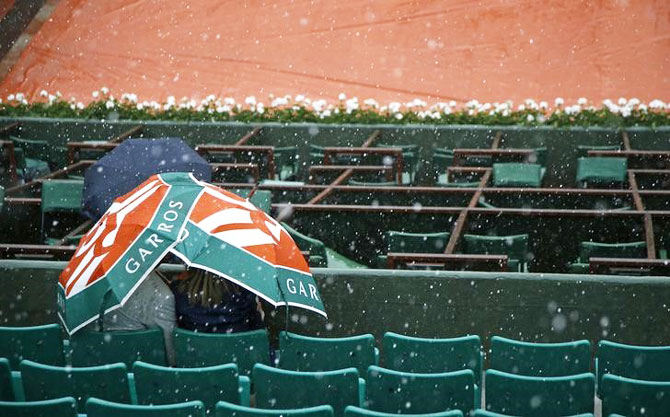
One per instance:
(245, 237)
(225, 217)
(290, 285)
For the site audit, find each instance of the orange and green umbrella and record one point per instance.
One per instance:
(205, 226)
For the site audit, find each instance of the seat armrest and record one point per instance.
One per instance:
(361, 393)
(245, 390)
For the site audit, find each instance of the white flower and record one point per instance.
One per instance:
(582, 101)
(52, 98)
(352, 104)
(10, 97)
(342, 97)
(452, 103)
(171, 101)
(633, 102)
(394, 106)
(319, 105)
(80, 105)
(73, 106)
(642, 108)
(531, 104)
(104, 90)
(20, 96)
(229, 101)
(371, 103)
(622, 101)
(398, 116)
(260, 108)
(250, 101)
(559, 101)
(44, 93)
(625, 111)
(325, 114)
(210, 97)
(58, 94)
(655, 104)
(278, 102)
(485, 107)
(109, 104)
(530, 118)
(472, 104)
(95, 94)
(521, 107)
(140, 106)
(505, 113)
(299, 98)
(544, 105)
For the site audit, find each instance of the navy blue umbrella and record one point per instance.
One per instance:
(132, 162)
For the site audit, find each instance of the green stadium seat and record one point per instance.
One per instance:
(410, 160)
(540, 359)
(319, 255)
(410, 393)
(244, 349)
(352, 411)
(539, 396)
(310, 354)
(60, 407)
(512, 174)
(60, 196)
(225, 409)
(601, 171)
(162, 385)
(286, 162)
(46, 382)
(634, 397)
(279, 388)
(101, 408)
(99, 348)
(6, 390)
(261, 198)
(583, 150)
(43, 344)
(514, 246)
(372, 183)
(423, 355)
(32, 157)
(413, 243)
(648, 363)
(606, 250)
(484, 413)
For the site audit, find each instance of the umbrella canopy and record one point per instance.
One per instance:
(130, 164)
(204, 225)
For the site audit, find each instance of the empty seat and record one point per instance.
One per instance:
(540, 359)
(60, 196)
(319, 254)
(601, 171)
(32, 157)
(304, 353)
(43, 344)
(513, 174)
(46, 382)
(583, 150)
(99, 348)
(224, 409)
(6, 390)
(59, 407)
(423, 355)
(413, 243)
(649, 363)
(411, 393)
(634, 397)
(484, 413)
(514, 246)
(286, 162)
(244, 349)
(606, 250)
(282, 389)
(352, 411)
(162, 385)
(519, 395)
(101, 408)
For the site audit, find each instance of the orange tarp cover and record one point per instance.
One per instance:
(388, 49)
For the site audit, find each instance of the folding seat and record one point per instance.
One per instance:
(413, 243)
(514, 174)
(45, 382)
(520, 395)
(540, 359)
(6, 390)
(410, 156)
(423, 355)
(648, 363)
(484, 413)
(310, 354)
(244, 349)
(90, 348)
(101, 408)
(606, 250)
(320, 256)
(444, 158)
(59, 196)
(43, 344)
(352, 411)
(634, 397)
(286, 162)
(514, 246)
(224, 409)
(282, 389)
(601, 171)
(162, 385)
(583, 150)
(372, 183)
(59, 407)
(32, 157)
(411, 393)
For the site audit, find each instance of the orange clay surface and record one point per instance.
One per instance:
(491, 50)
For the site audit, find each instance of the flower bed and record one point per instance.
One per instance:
(287, 109)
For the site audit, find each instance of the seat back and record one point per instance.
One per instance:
(316, 248)
(540, 359)
(33, 148)
(583, 150)
(278, 388)
(43, 344)
(403, 392)
(416, 242)
(634, 397)
(422, 355)
(100, 408)
(60, 407)
(61, 195)
(352, 411)
(286, 161)
(6, 390)
(514, 246)
(514, 174)
(225, 409)
(46, 382)
(162, 385)
(601, 170)
(539, 396)
(244, 349)
(99, 348)
(309, 354)
(612, 250)
(650, 363)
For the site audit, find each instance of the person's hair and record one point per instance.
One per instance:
(204, 288)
